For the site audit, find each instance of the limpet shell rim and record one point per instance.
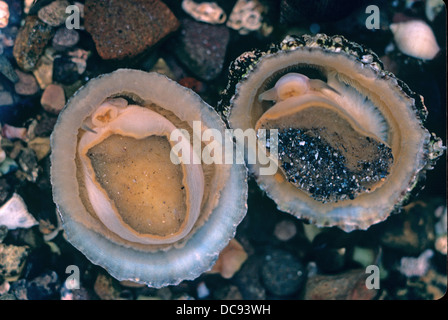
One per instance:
(176, 264)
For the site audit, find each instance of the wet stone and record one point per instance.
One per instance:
(65, 71)
(54, 13)
(27, 85)
(350, 285)
(30, 42)
(28, 162)
(53, 99)
(248, 279)
(65, 38)
(124, 29)
(45, 126)
(44, 287)
(282, 273)
(202, 48)
(7, 69)
(12, 260)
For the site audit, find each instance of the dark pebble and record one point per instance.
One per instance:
(282, 273)
(45, 126)
(31, 42)
(202, 48)
(5, 191)
(65, 71)
(124, 29)
(7, 69)
(248, 279)
(44, 287)
(28, 163)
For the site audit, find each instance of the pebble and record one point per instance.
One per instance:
(53, 99)
(285, 230)
(54, 13)
(65, 38)
(28, 163)
(7, 69)
(350, 285)
(14, 214)
(31, 42)
(11, 132)
(7, 166)
(282, 273)
(65, 71)
(416, 267)
(4, 14)
(27, 85)
(3, 231)
(411, 232)
(230, 259)
(124, 29)
(79, 57)
(44, 287)
(248, 279)
(202, 48)
(12, 261)
(202, 290)
(45, 126)
(41, 147)
(106, 288)
(44, 72)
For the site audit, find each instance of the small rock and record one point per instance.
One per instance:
(28, 162)
(248, 280)
(12, 132)
(41, 146)
(349, 285)
(65, 38)
(282, 273)
(410, 232)
(30, 42)
(193, 84)
(202, 290)
(7, 69)
(3, 232)
(7, 166)
(75, 294)
(45, 126)
(65, 71)
(416, 267)
(53, 99)
(247, 16)
(44, 287)
(27, 85)
(54, 13)
(230, 260)
(14, 214)
(4, 14)
(285, 230)
(4, 286)
(79, 57)
(106, 288)
(124, 29)
(44, 72)
(202, 48)
(12, 261)
(227, 293)
(18, 289)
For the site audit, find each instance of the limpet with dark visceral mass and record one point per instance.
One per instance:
(124, 203)
(351, 141)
